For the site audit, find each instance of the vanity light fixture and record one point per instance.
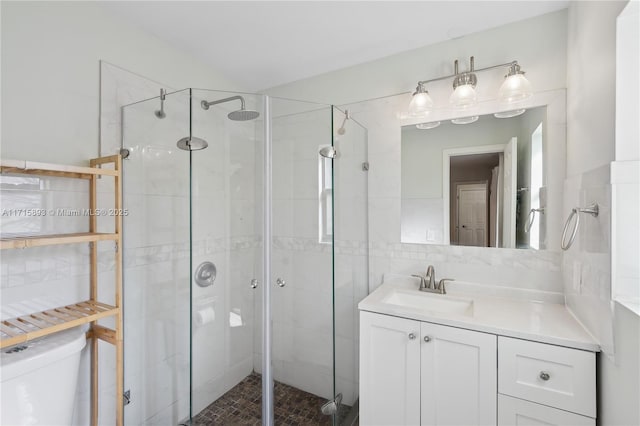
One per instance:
(515, 88)
(464, 88)
(421, 103)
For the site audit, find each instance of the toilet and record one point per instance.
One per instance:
(39, 379)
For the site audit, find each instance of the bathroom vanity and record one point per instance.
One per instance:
(478, 355)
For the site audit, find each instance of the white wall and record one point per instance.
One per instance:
(590, 143)
(50, 75)
(628, 86)
(539, 44)
(51, 87)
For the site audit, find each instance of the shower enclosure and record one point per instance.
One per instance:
(245, 253)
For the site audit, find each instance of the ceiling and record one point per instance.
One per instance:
(262, 44)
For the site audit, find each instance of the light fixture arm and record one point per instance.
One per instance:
(507, 64)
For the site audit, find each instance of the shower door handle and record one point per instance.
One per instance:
(280, 282)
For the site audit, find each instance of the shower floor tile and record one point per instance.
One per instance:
(242, 405)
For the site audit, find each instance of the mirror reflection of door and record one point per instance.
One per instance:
(476, 192)
(471, 206)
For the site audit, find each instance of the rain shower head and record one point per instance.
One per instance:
(242, 114)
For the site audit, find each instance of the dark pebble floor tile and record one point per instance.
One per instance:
(242, 405)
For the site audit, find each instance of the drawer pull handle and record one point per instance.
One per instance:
(412, 336)
(427, 339)
(545, 376)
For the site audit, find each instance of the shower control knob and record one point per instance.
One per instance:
(281, 282)
(254, 283)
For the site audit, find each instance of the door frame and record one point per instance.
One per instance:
(446, 174)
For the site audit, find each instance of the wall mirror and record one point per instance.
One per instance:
(495, 182)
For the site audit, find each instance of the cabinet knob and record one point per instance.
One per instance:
(545, 376)
(281, 282)
(412, 336)
(427, 339)
(254, 283)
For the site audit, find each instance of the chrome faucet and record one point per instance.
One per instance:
(428, 282)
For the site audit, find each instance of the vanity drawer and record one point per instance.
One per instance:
(547, 374)
(514, 411)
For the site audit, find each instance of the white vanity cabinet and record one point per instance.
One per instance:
(418, 373)
(421, 373)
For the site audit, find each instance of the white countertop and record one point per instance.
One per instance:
(530, 315)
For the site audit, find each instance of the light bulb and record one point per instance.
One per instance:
(464, 96)
(421, 103)
(515, 87)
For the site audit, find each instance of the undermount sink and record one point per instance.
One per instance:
(429, 302)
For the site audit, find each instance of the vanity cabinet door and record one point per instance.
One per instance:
(389, 370)
(459, 376)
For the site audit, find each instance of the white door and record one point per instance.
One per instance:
(472, 214)
(389, 370)
(518, 412)
(509, 199)
(459, 376)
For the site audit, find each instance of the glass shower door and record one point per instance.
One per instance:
(351, 242)
(227, 246)
(156, 261)
(302, 261)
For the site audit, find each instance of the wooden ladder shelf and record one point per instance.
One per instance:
(21, 329)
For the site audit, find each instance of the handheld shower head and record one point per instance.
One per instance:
(341, 129)
(242, 114)
(159, 113)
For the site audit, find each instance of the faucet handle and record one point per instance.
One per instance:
(423, 280)
(441, 286)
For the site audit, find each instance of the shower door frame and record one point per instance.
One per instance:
(267, 370)
(268, 399)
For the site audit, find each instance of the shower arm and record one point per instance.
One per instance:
(206, 104)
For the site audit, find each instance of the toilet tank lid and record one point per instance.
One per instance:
(38, 353)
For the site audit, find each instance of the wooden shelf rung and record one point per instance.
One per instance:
(33, 321)
(102, 305)
(60, 315)
(46, 318)
(14, 322)
(8, 331)
(57, 170)
(93, 307)
(73, 314)
(25, 241)
(81, 309)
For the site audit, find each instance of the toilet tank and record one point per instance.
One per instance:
(39, 379)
